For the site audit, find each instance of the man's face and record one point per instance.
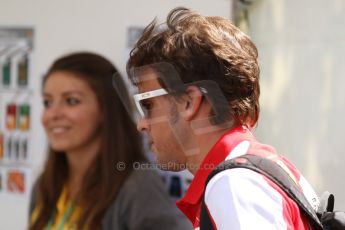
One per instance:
(163, 124)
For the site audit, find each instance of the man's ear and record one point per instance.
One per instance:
(193, 102)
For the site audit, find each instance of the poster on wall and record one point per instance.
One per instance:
(16, 181)
(16, 45)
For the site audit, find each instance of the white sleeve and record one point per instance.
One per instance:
(241, 199)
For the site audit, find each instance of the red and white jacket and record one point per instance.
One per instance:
(241, 199)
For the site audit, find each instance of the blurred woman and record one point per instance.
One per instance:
(88, 181)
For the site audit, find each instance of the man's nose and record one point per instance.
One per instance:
(143, 125)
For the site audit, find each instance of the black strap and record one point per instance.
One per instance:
(205, 220)
(274, 172)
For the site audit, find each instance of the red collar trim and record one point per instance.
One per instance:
(190, 203)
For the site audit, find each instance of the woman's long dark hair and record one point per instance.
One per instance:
(120, 143)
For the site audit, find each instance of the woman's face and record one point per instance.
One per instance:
(72, 115)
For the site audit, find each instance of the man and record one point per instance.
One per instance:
(198, 82)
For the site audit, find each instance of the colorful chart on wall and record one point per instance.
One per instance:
(16, 46)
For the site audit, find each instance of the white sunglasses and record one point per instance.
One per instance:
(143, 96)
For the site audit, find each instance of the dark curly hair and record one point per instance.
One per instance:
(205, 48)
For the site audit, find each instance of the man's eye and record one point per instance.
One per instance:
(72, 101)
(146, 104)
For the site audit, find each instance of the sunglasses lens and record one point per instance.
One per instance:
(143, 110)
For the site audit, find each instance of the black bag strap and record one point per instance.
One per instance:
(274, 172)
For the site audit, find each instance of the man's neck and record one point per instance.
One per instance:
(206, 142)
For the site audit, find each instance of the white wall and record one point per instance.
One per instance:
(301, 46)
(64, 26)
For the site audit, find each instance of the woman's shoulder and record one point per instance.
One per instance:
(143, 185)
(143, 177)
(144, 190)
